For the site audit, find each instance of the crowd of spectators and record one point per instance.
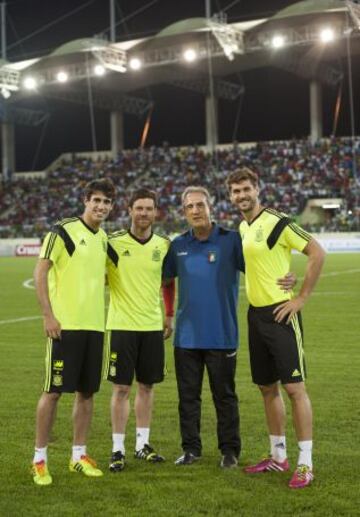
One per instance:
(290, 174)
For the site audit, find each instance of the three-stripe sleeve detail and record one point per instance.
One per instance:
(300, 232)
(50, 245)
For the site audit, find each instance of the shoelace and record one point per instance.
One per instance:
(302, 471)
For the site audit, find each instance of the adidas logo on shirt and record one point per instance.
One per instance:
(82, 242)
(126, 253)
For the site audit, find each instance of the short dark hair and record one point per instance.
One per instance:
(142, 193)
(242, 174)
(105, 185)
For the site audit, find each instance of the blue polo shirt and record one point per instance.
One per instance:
(208, 286)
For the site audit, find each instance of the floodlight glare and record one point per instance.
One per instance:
(278, 41)
(135, 63)
(190, 55)
(29, 83)
(5, 93)
(327, 35)
(62, 77)
(99, 70)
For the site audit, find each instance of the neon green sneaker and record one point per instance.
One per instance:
(87, 466)
(41, 474)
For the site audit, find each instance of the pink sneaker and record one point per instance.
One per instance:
(302, 477)
(267, 465)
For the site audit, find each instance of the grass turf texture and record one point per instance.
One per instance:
(332, 326)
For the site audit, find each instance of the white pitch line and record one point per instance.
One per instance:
(335, 273)
(319, 293)
(323, 293)
(29, 283)
(17, 320)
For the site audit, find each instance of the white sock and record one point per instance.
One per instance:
(118, 442)
(305, 454)
(78, 451)
(40, 454)
(278, 448)
(142, 437)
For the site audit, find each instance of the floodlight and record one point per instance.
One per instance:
(190, 55)
(29, 83)
(99, 70)
(327, 35)
(5, 93)
(278, 41)
(62, 77)
(135, 63)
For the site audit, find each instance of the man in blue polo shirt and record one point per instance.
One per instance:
(207, 260)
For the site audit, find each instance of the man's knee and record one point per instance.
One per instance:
(84, 396)
(296, 390)
(145, 389)
(50, 397)
(121, 391)
(269, 390)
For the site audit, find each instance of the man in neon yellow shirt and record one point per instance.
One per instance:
(69, 280)
(135, 339)
(275, 329)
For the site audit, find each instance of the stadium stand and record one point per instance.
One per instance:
(291, 173)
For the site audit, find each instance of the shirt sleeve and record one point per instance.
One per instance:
(239, 256)
(52, 247)
(169, 264)
(294, 237)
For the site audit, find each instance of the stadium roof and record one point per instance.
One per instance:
(310, 7)
(162, 53)
(79, 45)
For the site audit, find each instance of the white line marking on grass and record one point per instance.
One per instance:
(336, 273)
(323, 293)
(29, 284)
(17, 320)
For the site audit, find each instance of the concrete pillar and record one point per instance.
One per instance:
(117, 132)
(8, 149)
(211, 113)
(316, 122)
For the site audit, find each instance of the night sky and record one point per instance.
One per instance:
(275, 105)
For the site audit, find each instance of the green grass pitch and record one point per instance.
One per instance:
(332, 345)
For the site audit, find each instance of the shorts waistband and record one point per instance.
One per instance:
(266, 308)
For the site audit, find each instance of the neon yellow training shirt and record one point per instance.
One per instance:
(77, 277)
(267, 243)
(134, 270)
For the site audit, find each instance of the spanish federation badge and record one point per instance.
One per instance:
(212, 256)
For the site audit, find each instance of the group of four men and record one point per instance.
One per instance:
(207, 261)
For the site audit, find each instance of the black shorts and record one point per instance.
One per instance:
(74, 362)
(276, 349)
(132, 351)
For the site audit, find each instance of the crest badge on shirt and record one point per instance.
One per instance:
(156, 254)
(211, 256)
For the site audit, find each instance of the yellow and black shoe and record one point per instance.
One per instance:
(117, 462)
(41, 474)
(86, 465)
(147, 453)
